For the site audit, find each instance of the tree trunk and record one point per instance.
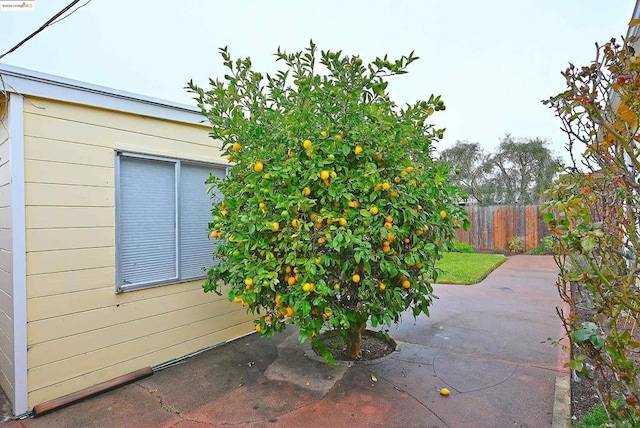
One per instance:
(354, 340)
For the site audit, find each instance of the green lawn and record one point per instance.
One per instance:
(467, 268)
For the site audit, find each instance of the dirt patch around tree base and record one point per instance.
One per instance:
(374, 345)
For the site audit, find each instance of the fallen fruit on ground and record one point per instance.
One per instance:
(445, 392)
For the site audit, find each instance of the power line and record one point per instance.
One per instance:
(72, 12)
(45, 25)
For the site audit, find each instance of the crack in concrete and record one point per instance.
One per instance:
(435, 373)
(169, 409)
(397, 388)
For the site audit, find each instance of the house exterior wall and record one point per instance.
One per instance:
(79, 331)
(7, 371)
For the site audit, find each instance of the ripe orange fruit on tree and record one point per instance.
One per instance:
(382, 286)
(389, 219)
(443, 214)
(236, 147)
(248, 282)
(321, 240)
(356, 278)
(324, 175)
(258, 166)
(306, 191)
(386, 186)
(388, 226)
(276, 226)
(237, 299)
(295, 223)
(406, 283)
(268, 318)
(258, 328)
(358, 150)
(291, 280)
(343, 221)
(374, 210)
(307, 144)
(289, 311)
(308, 287)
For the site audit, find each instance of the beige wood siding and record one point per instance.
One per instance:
(6, 284)
(79, 331)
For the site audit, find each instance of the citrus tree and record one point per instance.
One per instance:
(594, 214)
(334, 210)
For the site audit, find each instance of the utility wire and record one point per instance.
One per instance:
(72, 12)
(45, 25)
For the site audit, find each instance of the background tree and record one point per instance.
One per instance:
(594, 215)
(470, 162)
(517, 173)
(521, 170)
(334, 212)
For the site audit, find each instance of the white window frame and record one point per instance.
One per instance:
(119, 287)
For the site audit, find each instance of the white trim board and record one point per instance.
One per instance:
(18, 252)
(28, 82)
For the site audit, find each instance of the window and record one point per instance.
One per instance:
(163, 211)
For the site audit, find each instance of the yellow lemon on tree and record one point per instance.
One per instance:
(306, 191)
(385, 186)
(276, 226)
(443, 214)
(307, 144)
(248, 282)
(236, 147)
(358, 150)
(308, 287)
(374, 210)
(324, 175)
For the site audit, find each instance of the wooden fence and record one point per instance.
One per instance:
(492, 226)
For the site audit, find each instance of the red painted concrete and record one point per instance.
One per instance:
(483, 342)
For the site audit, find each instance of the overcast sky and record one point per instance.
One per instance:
(492, 61)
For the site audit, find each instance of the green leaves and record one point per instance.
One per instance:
(349, 181)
